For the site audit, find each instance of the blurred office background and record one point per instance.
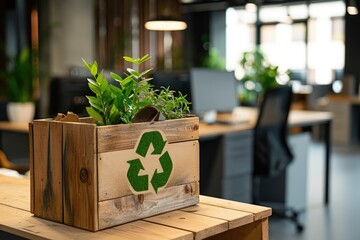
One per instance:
(317, 43)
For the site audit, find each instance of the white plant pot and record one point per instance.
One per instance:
(20, 112)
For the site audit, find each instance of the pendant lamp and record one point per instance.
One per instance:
(165, 24)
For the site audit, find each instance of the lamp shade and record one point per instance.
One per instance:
(165, 24)
(352, 8)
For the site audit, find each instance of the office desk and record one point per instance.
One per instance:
(212, 218)
(346, 117)
(14, 127)
(297, 118)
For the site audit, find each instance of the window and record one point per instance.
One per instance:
(318, 55)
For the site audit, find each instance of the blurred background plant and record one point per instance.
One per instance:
(213, 60)
(256, 75)
(18, 77)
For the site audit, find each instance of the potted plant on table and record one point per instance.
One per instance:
(136, 156)
(19, 88)
(125, 104)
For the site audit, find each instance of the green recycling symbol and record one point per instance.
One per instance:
(140, 183)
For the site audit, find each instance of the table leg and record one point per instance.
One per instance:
(327, 139)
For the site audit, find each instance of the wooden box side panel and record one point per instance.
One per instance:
(113, 168)
(47, 170)
(80, 176)
(31, 161)
(125, 136)
(132, 207)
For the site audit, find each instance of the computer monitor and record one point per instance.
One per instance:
(212, 90)
(177, 81)
(68, 94)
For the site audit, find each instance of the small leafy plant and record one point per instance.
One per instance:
(115, 105)
(18, 78)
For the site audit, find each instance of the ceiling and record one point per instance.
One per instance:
(213, 5)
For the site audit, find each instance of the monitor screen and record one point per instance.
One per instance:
(213, 90)
(177, 81)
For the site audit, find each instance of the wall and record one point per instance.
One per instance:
(352, 46)
(73, 34)
(218, 32)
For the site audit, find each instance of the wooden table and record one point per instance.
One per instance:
(14, 127)
(212, 218)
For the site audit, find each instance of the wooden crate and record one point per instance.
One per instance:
(80, 172)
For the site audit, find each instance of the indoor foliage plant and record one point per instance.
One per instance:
(19, 88)
(123, 168)
(119, 104)
(259, 75)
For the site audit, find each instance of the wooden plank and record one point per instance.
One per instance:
(47, 170)
(87, 120)
(125, 136)
(80, 175)
(201, 226)
(113, 167)
(15, 192)
(14, 183)
(254, 231)
(17, 199)
(31, 164)
(258, 211)
(234, 217)
(265, 229)
(22, 223)
(133, 207)
(147, 230)
(42, 171)
(56, 166)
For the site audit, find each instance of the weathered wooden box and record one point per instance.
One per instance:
(95, 177)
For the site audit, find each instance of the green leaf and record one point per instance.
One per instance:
(143, 104)
(129, 59)
(94, 89)
(143, 88)
(145, 72)
(94, 69)
(93, 113)
(133, 72)
(119, 104)
(127, 80)
(145, 58)
(92, 81)
(104, 86)
(114, 116)
(95, 103)
(86, 64)
(115, 90)
(116, 77)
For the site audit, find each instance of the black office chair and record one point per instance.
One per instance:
(272, 154)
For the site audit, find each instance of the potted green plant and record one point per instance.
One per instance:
(114, 105)
(258, 75)
(137, 154)
(19, 89)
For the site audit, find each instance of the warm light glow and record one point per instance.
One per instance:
(251, 7)
(165, 25)
(352, 10)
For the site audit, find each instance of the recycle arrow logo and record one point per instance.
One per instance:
(140, 183)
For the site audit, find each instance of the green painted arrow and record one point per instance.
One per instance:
(159, 180)
(139, 183)
(148, 138)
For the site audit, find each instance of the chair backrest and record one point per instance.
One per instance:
(271, 151)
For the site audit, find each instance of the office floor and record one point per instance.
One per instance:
(340, 220)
